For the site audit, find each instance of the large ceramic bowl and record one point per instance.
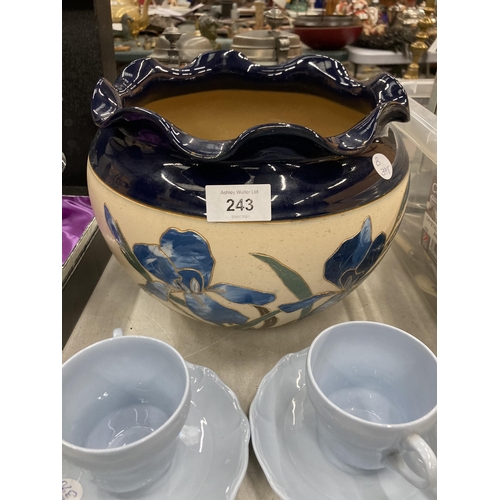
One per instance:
(317, 140)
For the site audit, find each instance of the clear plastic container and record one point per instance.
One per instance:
(421, 90)
(416, 240)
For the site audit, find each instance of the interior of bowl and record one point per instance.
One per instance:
(238, 110)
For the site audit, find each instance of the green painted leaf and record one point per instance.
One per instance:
(132, 260)
(254, 322)
(177, 300)
(271, 321)
(129, 255)
(293, 281)
(305, 311)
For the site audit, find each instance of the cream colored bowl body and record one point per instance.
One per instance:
(285, 258)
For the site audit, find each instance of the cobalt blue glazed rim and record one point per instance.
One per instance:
(147, 77)
(146, 158)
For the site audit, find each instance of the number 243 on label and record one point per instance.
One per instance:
(232, 205)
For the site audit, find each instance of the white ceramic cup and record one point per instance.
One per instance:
(124, 403)
(374, 391)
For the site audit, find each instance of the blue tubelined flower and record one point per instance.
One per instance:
(183, 264)
(113, 227)
(349, 264)
(355, 258)
(123, 245)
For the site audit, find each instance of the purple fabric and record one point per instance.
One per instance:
(77, 214)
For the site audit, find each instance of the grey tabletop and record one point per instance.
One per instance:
(242, 358)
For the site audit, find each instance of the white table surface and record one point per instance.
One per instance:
(242, 358)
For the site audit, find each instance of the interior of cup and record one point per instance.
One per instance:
(121, 390)
(375, 372)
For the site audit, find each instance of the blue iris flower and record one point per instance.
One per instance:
(183, 264)
(346, 268)
(355, 258)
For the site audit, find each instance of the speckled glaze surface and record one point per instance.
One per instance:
(333, 215)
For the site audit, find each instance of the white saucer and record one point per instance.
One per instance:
(283, 427)
(212, 455)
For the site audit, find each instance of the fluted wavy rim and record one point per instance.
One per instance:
(388, 97)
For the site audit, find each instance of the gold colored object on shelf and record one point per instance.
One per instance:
(121, 7)
(259, 14)
(419, 47)
(130, 12)
(329, 7)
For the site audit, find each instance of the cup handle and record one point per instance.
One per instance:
(396, 462)
(117, 332)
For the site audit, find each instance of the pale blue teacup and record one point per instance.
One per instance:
(374, 390)
(124, 403)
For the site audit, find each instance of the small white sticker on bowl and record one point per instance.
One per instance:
(71, 488)
(238, 203)
(382, 165)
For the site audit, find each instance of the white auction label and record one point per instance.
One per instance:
(238, 203)
(382, 165)
(71, 488)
